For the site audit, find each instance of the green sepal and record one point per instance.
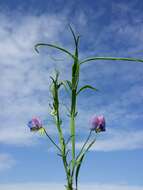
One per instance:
(41, 131)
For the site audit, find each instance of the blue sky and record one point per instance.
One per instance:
(107, 28)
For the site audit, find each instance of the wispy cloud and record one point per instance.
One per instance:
(23, 76)
(16, 135)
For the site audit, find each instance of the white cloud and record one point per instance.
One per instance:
(6, 161)
(118, 140)
(24, 76)
(15, 135)
(45, 186)
(123, 121)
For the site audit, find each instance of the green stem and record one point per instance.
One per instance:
(52, 140)
(72, 124)
(75, 79)
(69, 187)
(80, 153)
(72, 128)
(61, 138)
(84, 145)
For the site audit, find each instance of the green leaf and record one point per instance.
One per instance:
(69, 84)
(85, 87)
(75, 114)
(73, 33)
(78, 169)
(59, 154)
(36, 47)
(68, 140)
(111, 59)
(80, 159)
(64, 83)
(52, 89)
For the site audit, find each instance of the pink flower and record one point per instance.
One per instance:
(98, 123)
(35, 124)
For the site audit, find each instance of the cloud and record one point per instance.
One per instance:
(118, 140)
(44, 186)
(24, 76)
(15, 135)
(123, 120)
(6, 161)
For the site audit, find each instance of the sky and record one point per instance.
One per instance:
(107, 28)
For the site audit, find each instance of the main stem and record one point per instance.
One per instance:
(72, 124)
(62, 142)
(69, 187)
(75, 79)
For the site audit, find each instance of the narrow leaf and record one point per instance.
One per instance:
(69, 84)
(53, 46)
(80, 159)
(68, 140)
(75, 114)
(85, 87)
(78, 169)
(73, 33)
(111, 59)
(59, 155)
(64, 83)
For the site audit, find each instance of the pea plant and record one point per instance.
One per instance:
(71, 158)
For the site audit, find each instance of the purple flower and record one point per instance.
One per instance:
(98, 123)
(35, 124)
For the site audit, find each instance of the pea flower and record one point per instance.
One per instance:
(35, 124)
(98, 123)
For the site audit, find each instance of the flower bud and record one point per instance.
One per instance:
(98, 124)
(35, 124)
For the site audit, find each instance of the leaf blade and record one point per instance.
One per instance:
(80, 160)
(36, 47)
(85, 87)
(111, 59)
(77, 171)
